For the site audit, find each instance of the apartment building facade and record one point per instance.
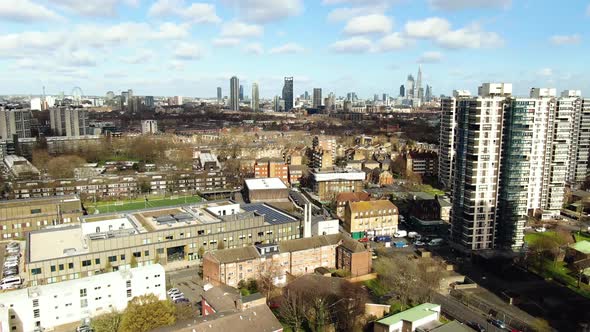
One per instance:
(67, 121)
(15, 122)
(326, 185)
(370, 218)
(49, 306)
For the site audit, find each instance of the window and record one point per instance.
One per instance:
(97, 261)
(61, 267)
(112, 259)
(52, 268)
(169, 237)
(146, 253)
(123, 257)
(129, 293)
(160, 250)
(35, 211)
(36, 313)
(84, 303)
(35, 303)
(128, 283)
(83, 292)
(86, 262)
(137, 254)
(36, 271)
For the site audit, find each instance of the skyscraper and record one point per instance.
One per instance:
(418, 86)
(306, 95)
(288, 93)
(277, 104)
(428, 93)
(580, 147)
(15, 122)
(255, 101)
(402, 91)
(448, 125)
(66, 121)
(219, 95)
(234, 98)
(241, 93)
(317, 97)
(410, 87)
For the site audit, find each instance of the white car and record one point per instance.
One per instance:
(177, 296)
(540, 229)
(173, 291)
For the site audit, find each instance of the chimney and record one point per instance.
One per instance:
(307, 220)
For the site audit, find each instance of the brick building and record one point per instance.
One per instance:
(371, 218)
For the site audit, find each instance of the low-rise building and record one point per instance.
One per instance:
(371, 218)
(327, 184)
(423, 163)
(272, 168)
(343, 198)
(295, 257)
(296, 173)
(45, 307)
(119, 240)
(423, 315)
(20, 216)
(266, 190)
(20, 168)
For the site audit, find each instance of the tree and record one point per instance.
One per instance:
(201, 252)
(184, 311)
(292, 310)
(147, 312)
(541, 325)
(157, 259)
(268, 273)
(106, 322)
(63, 166)
(133, 262)
(108, 267)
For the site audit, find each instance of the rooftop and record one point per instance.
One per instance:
(236, 254)
(271, 215)
(372, 205)
(320, 176)
(411, 315)
(55, 242)
(582, 246)
(266, 183)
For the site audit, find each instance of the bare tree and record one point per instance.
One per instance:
(292, 310)
(268, 273)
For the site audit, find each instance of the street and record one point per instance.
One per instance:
(460, 312)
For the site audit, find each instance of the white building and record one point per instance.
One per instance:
(149, 126)
(72, 301)
(448, 124)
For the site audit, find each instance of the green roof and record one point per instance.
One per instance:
(582, 246)
(411, 315)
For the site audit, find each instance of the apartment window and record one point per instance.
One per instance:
(36, 313)
(36, 271)
(112, 259)
(123, 257)
(169, 237)
(160, 250)
(35, 303)
(70, 265)
(86, 262)
(53, 268)
(83, 292)
(61, 267)
(129, 293)
(84, 303)
(137, 254)
(146, 253)
(35, 211)
(128, 283)
(97, 261)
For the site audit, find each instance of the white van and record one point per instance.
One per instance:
(435, 242)
(400, 233)
(10, 282)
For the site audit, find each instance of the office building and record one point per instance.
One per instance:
(317, 97)
(149, 127)
(409, 89)
(428, 93)
(67, 121)
(288, 93)
(46, 307)
(254, 102)
(15, 122)
(167, 234)
(418, 92)
(149, 102)
(402, 91)
(421, 163)
(219, 95)
(234, 97)
(241, 92)
(277, 104)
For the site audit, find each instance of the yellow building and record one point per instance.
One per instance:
(371, 218)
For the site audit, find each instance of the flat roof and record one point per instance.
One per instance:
(411, 315)
(56, 242)
(266, 183)
(333, 176)
(271, 215)
(582, 246)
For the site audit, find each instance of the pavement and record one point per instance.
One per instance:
(462, 313)
(188, 282)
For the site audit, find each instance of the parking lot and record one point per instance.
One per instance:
(188, 282)
(11, 264)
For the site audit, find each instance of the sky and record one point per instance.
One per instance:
(189, 48)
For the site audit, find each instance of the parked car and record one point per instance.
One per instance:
(84, 328)
(382, 238)
(11, 282)
(476, 326)
(177, 296)
(436, 242)
(498, 323)
(540, 229)
(414, 235)
(400, 244)
(173, 291)
(419, 243)
(364, 240)
(401, 233)
(182, 300)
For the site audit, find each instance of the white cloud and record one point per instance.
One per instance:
(141, 56)
(470, 37)
(26, 11)
(545, 72)
(289, 48)
(103, 8)
(428, 28)
(588, 10)
(195, 13)
(352, 45)
(226, 42)
(25, 42)
(264, 11)
(188, 51)
(241, 30)
(79, 58)
(565, 39)
(368, 24)
(254, 48)
(430, 57)
(468, 4)
(394, 41)
(346, 13)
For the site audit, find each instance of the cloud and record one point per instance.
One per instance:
(289, 48)
(469, 37)
(141, 56)
(226, 42)
(346, 13)
(254, 48)
(431, 27)
(394, 41)
(188, 51)
(368, 24)
(80, 58)
(545, 72)
(565, 39)
(264, 11)
(25, 11)
(195, 13)
(241, 30)
(453, 5)
(430, 57)
(352, 45)
(93, 8)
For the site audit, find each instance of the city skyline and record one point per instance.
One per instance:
(114, 45)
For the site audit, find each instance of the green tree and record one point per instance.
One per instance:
(133, 262)
(220, 245)
(201, 252)
(157, 259)
(108, 322)
(108, 267)
(147, 312)
(541, 325)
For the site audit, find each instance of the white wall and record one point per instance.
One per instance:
(326, 227)
(62, 303)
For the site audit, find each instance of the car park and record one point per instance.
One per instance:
(10, 282)
(177, 296)
(498, 323)
(173, 291)
(476, 326)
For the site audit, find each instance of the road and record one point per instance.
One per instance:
(459, 311)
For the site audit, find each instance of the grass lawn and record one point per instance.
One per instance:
(431, 190)
(375, 287)
(140, 203)
(559, 272)
(583, 236)
(531, 238)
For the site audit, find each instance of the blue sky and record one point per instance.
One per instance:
(188, 48)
